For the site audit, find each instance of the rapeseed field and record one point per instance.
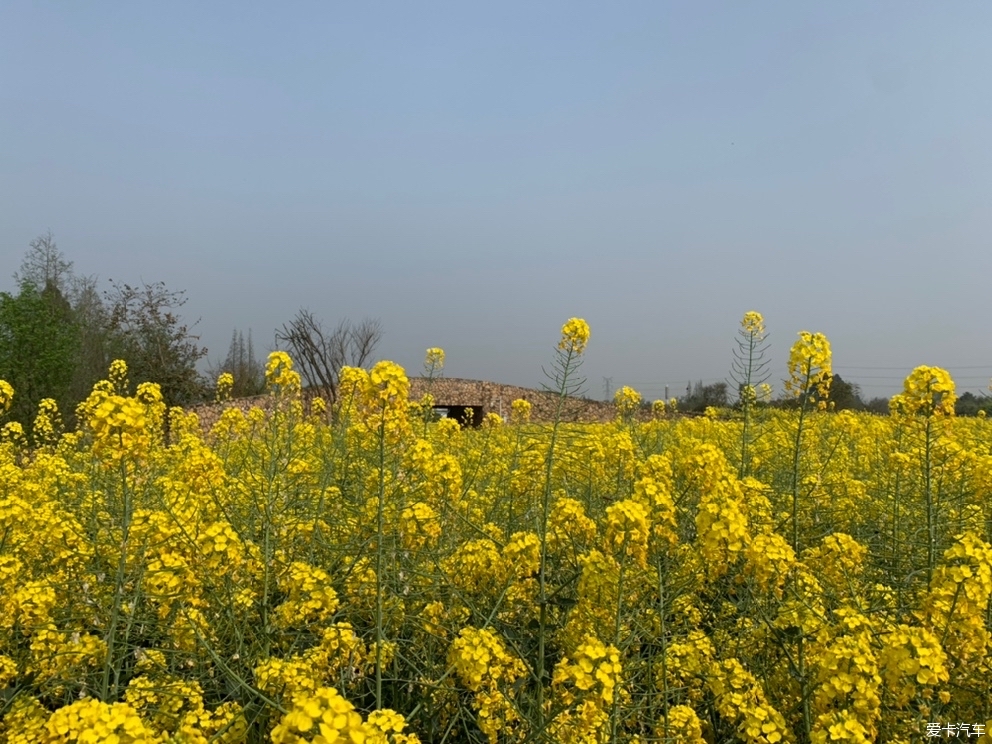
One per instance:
(363, 573)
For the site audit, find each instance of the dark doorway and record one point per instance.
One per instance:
(461, 414)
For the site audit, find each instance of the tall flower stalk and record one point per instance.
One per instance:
(928, 395)
(749, 370)
(433, 368)
(809, 381)
(568, 359)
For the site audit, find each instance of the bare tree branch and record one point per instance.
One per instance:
(320, 354)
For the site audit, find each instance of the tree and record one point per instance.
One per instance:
(241, 362)
(321, 353)
(38, 341)
(841, 395)
(969, 404)
(93, 327)
(44, 266)
(58, 335)
(877, 405)
(700, 397)
(146, 331)
(47, 268)
(844, 395)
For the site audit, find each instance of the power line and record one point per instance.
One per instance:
(900, 377)
(911, 367)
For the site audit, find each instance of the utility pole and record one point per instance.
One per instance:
(607, 388)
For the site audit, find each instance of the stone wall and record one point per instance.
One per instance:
(489, 397)
(494, 397)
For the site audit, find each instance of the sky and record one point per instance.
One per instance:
(474, 174)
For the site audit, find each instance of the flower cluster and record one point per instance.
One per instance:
(721, 520)
(434, 360)
(770, 558)
(959, 598)
(741, 700)
(753, 323)
(810, 367)
(225, 382)
(627, 401)
(574, 336)
(586, 684)
(325, 717)
(280, 375)
(847, 700)
(91, 721)
(520, 411)
(47, 424)
(118, 425)
(6, 396)
(927, 391)
(627, 531)
(487, 669)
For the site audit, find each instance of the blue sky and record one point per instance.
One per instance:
(474, 174)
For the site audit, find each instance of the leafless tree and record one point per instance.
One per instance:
(241, 362)
(320, 353)
(45, 266)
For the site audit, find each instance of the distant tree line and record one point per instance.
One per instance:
(969, 404)
(843, 396)
(698, 397)
(59, 333)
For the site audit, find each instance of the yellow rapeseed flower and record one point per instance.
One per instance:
(225, 382)
(809, 365)
(574, 336)
(752, 323)
(6, 396)
(627, 400)
(434, 359)
(927, 391)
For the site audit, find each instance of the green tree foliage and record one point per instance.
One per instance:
(93, 325)
(46, 267)
(845, 395)
(146, 331)
(58, 334)
(700, 397)
(969, 404)
(878, 405)
(38, 340)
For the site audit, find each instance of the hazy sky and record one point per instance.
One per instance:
(476, 173)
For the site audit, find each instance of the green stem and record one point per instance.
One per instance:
(664, 644)
(110, 663)
(928, 494)
(744, 468)
(796, 546)
(379, 556)
(796, 461)
(545, 512)
(614, 718)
